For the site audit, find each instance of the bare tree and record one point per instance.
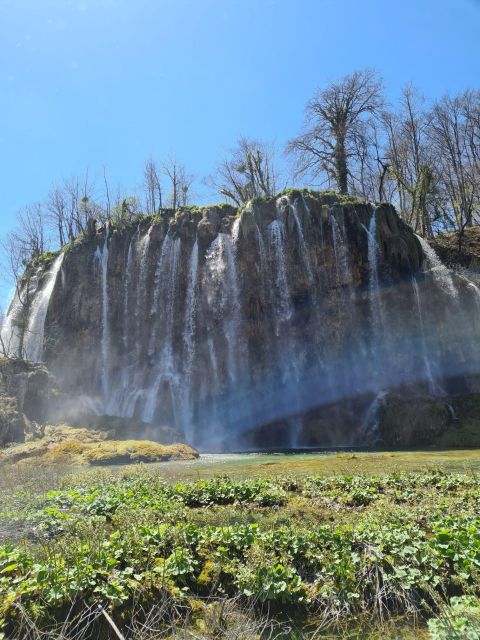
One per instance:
(454, 133)
(249, 172)
(31, 233)
(107, 193)
(412, 168)
(73, 209)
(152, 187)
(20, 247)
(335, 118)
(56, 205)
(180, 183)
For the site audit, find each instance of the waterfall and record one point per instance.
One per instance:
(340, 250)
(235, 231)
(166, 283)
(11, 334)
(141, 296)
(369, 429)
(102, 257)
(440, 272)
(121, 388)
(220, 263)
(128, 280)
(190, 309)
(432, 386)
(282, 301)
(189, 335)
(303, 244)
(34, 334)
(233, 324)
(262, 254)
(130, 390)
(374, 291)
(476, 294)
(214, 325)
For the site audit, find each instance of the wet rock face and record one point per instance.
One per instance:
(406, 421)
(12, 421)
(237, 328)
(27, 393)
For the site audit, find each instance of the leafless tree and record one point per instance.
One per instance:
(412, 168)
(73, 209)
(335, 119)
(180, 183)
(107, 193)
(454, 134)
(19, 248)
(152, 186)
(249, 172)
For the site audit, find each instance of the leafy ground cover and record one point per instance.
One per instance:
(306, 556)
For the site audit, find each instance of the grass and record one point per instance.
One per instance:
(359, 545)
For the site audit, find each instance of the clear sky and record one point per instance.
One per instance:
(94, 83)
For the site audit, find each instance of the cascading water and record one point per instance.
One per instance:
(212, 330)
(128, 284)
(189, 338)
(432, 385)
(102, 256)
(379, 338)
(282, 304)
(262, 263)
(370, 425)
(166, 283)
(340, 252)
(221, 266)
(476, 294)
(303, 244)
(439, 271)
(11, 334)
(373, 281)
(34, 335)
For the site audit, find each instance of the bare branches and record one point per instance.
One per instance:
(334, 121)
(152, 187)
(454, 132)
(180, 182)
(249, 172)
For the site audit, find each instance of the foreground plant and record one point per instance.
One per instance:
(373, 548)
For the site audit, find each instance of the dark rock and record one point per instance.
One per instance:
(412, 421)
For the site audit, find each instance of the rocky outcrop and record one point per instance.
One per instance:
(459, 250)
(68, 446)
(27, 395)
(271, 324)
(410, 421)
(13, 424)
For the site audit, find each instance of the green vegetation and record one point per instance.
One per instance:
(347, 552)
(460, 619)
(326, 196)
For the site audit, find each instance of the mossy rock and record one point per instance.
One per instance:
(64, 445)
(12, 421)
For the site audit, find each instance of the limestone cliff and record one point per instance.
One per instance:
(273, 325)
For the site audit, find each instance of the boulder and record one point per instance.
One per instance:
(13, 423)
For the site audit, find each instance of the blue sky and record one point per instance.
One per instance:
(94, 83)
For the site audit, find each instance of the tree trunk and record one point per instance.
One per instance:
(341, 166)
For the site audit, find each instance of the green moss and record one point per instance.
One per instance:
(324, 197)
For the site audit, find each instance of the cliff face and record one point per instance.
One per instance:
(272, 326)
(27, 396)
